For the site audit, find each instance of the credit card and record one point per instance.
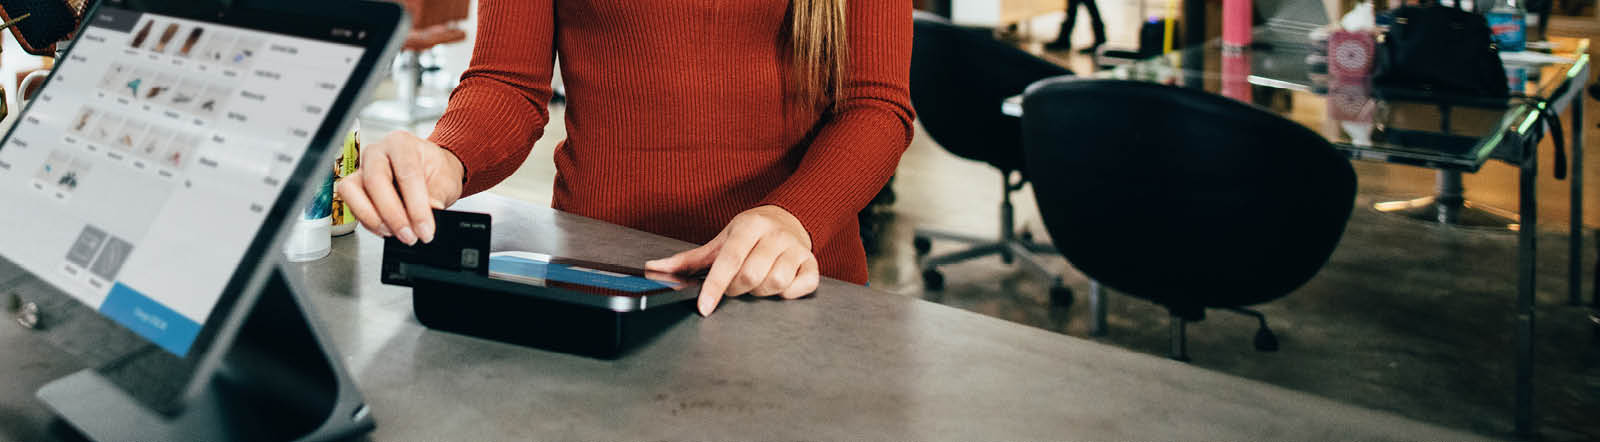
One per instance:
(461, 243)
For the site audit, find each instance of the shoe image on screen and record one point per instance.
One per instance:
(136, 82)
(130, 135)
(182, 147)
(116, 76)
(185, 95)
(107, 129)
(243, 53)
(144, 34)
(155, 141)
(52, 168)
(166, 38)
(217, 47)
(190, 42)
(158, 89)
(213, 100)
(77, 168)
(80, 123)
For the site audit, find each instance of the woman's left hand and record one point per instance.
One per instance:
(763, 251)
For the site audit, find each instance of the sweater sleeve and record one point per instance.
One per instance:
(500, 108)
(858, 146)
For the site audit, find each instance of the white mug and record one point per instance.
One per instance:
(27, 82)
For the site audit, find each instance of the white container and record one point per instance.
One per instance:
(309, 236)
(309, 240)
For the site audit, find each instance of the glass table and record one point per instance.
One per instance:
(1451, 138)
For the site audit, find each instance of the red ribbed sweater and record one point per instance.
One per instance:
(678, 117)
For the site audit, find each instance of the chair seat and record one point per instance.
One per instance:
(427, 38)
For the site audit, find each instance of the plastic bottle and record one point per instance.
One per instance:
(309, 236)
(1508, 22)
(349, 160)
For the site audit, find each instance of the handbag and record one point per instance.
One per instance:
(1439, 54)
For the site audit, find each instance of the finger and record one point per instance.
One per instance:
(688, 261)
(414, 193)
(667, 278)
(783, 273)
(805, 281)
(756, 267)
(729, 259)
(379, 180)
(356, 199)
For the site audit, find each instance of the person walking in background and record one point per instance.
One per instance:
(1063, 41)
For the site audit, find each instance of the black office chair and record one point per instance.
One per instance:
(959, 79)
(1181, 197)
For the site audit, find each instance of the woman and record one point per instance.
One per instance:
(758, 128)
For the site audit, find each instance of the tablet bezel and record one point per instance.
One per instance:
(184, 377)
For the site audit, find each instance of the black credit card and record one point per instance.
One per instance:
(460, 243)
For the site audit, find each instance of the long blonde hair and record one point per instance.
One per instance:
(819, 47)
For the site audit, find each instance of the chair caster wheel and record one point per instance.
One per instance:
(1265, 340)
(932, 280)
(922, 244)
(1026, 236)
(1007, 257)
(1061, 297)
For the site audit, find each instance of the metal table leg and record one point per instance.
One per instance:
(1527, 238)
(1575, 243)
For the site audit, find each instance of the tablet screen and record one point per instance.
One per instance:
(545, 271)
(141, 174)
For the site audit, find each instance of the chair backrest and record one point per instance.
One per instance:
(959, 79)
(1182, 197)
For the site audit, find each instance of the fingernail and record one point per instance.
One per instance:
(383, 230)
(705, 308)
(426, 231)
(407, 236)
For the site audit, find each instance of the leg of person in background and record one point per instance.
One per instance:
(1063, 41)
(1095, 24)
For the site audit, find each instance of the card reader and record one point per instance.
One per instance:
(553, 303)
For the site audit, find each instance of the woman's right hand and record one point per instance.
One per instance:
(401, 180)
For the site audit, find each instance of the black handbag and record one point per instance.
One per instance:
(1440, 54)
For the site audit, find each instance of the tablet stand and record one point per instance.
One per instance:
(278, 381)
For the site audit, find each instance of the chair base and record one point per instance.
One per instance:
(1449, 206)
(409, 105)
(1265, 341)
(1461, 214)
(1011, 247)
(1019, 250)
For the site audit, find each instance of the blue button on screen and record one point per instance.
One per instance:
(166, 328)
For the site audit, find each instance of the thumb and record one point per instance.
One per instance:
(692, 260)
